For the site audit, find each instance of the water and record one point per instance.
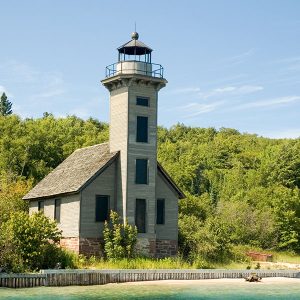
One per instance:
(204, 289)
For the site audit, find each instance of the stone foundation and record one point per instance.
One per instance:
(148, 247)
(91, 247)
(86, 246)
(71, 243)
(157, 248)
(166, 248)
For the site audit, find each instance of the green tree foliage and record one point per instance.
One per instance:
(5, 106)
(28, 242)
(11, 192)
(241, 188)
(249, 184)
(33, 147)
(119, 238)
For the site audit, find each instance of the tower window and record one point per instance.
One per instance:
(140, 215)
(160, 211)
(142, 101)
(102, 208)
(142, 129)
(141, 171)
(41, 206)
(57, 210)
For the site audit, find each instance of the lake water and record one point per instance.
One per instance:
(204, 289)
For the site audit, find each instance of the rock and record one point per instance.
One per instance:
(253, 278)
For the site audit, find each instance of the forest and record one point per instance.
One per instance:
(242, 190)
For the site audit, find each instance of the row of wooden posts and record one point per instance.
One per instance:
(98, 277)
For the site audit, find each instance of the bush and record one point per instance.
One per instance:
(207, 241)
(119, 239)
(29, 242)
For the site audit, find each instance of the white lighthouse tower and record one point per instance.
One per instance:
(133, 83)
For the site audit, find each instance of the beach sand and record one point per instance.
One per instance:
(269, 280)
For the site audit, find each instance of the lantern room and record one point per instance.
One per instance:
(134, 57)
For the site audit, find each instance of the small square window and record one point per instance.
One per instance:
(142, 101)
(141, 171)
(102, 208)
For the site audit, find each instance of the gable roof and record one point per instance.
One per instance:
(178, 191)
(74, 172)
(77, 170)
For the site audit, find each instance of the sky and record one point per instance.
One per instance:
(228, 63)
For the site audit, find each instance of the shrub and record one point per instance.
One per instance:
(208, 241)
(119, 239)
(29, 242)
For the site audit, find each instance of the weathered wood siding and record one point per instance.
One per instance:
(118, 139)
(33, 206)
(104, 184)
(123, 118)
(142, 151)
(169, 230)
(69, 213)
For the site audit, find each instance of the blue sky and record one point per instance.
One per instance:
(228, 63)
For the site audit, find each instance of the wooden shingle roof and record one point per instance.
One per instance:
(74, 172)
(77, 170)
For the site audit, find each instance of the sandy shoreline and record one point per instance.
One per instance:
(269, 280)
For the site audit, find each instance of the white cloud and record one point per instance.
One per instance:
(19, 72)
(4, 90)
(239, 58)
(194, 109)
(80, 112)
(41, 84)
(291, 133)
(270, 102)
(290, 64)
(49, 93)
(231, 90)
(186, 90)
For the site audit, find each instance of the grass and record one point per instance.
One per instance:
(286, 257)
(135, 263)
(238, 261)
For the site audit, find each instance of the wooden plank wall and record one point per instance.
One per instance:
(22, 280)
(99, 277)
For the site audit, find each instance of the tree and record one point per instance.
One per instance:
(12, 189)
(5, 106)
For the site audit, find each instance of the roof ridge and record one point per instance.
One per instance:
(69, 176)
(106, 143)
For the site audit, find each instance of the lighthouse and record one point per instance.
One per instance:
(134, 83)
(122, 175)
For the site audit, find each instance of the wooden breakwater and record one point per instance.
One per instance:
(99, 277)
(22, 280)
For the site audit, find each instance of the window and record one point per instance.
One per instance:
(141, 171)
(142, 101)
(57, 210)
(140, 215)
(160, 211)
(102, 208)
(41, 206)
(142, 129)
